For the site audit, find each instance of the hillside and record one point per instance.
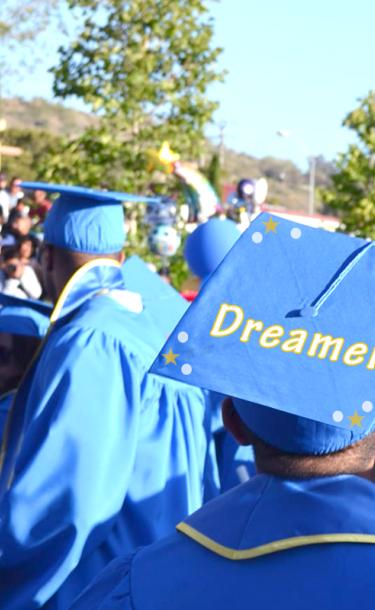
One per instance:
(46, 116)
(288, 186)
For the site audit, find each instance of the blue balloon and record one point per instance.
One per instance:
(206, 247)
(164, 240)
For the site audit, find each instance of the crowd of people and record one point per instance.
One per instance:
(21, 220)
(122, 481)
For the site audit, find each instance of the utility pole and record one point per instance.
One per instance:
(312, 172)
(285, 133)
(222, 127)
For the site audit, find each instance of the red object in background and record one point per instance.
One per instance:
(189, 295)
(40, 212)
(227, 190)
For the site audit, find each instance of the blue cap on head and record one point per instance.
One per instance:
(24, 316)
(292, 433)
(85, 220)
(165, 305)
(286, 325)
(206, 247)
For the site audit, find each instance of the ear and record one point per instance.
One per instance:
(234, 423)
(122, 257)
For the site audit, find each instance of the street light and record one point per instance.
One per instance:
(285, 133)
(312, 172)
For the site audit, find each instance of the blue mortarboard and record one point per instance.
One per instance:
(165, 305)
(285, 325)
(85, 220)
(24, 316)
(206, 247)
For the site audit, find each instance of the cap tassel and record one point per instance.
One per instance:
(312, 311)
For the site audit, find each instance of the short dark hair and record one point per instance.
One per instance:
(74, 260)
(9, 252)
(351, 460)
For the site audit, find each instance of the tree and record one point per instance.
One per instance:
(352, 193)
(144, 68)
(37, 146)
(22, 20)
(21, 23)
(213, 173)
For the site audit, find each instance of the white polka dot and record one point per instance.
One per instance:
(186, 369)
(367, 406)
(337, 416)
(295, 233)
(183, 337)
(257, 237)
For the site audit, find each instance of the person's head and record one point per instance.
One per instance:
(209, 243)
(285, 325)
(357, 458)
(39, 196)
(21, 205)
(15, 185)
(26, 247)
(59, 264)
(18, 223)
(11, 264)
(82, 226)
(16, 353)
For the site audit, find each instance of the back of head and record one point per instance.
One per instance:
(291, 446)
(206, 247)
(85, 225)
(82, 225)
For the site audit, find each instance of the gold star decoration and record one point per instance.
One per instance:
(356, 419)
(170, 357)
(270, 225)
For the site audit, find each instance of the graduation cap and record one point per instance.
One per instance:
(285, 325)
(85, 220)
(207, 245)
(24, 316)
(164, 304)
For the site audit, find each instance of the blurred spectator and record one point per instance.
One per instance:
(4, 198)
(21, 207)
(16, 278)
(17, 226)
(15, 192)
(40, 207)
(28, 246)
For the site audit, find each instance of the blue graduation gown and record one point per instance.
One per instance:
(269, 543)
(100, 457)
(166, 305)
(235, 464)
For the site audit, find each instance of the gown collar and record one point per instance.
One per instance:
(270, 514)
(98, 277)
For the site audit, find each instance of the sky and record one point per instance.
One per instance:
(293, 65)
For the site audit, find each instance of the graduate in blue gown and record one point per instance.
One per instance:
(99, 456)
(294, 345)
(23, 323)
